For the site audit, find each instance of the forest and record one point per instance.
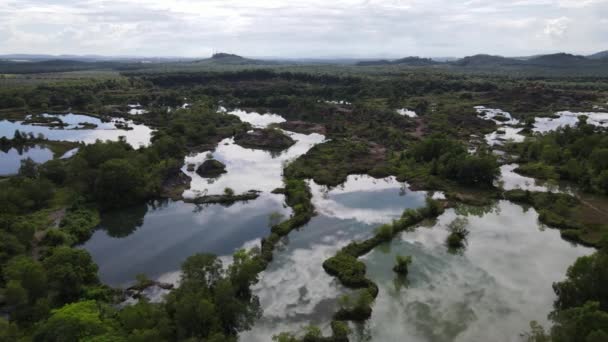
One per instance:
(50, 289)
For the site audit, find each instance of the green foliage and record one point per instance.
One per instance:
(79, 223)
(458, 233)
(69, 271)
(447, 158)
(331, 162)
(575, 154)
(119, 183)
(585, 282)
(582, 323)
(74, 322)
(402, 264)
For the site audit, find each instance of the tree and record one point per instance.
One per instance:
(402, 264)
(585, 281)
(584, 323)
(119, 183)
(28, 168)
(69, 271)
(74, 322)
(29, 274)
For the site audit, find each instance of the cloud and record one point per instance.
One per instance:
(305, 28)
(556, 28)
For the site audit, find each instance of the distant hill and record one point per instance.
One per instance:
(232, 59)
(599, 55)
(559, 59)
(409, 61)
(486, 61)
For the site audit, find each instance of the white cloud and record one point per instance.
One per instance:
(556, 28)
(301, 27)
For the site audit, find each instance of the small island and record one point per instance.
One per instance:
(265, 139)
(402, 264)
(211, 168)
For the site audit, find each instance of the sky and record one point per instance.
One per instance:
(299, 28)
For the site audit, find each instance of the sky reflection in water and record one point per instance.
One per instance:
(10, 161)
(140, 135)
(501, 280)
(295, 291)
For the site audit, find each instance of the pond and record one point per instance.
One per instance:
(10, 160)
(511, 180)
(247, 169)
(295, 291)
(156, 238)
(567, 118)
(80, 128)
(490, 291)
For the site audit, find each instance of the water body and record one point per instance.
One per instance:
(254, 118)
(295, 291)
(511, 180)
(490, 291)
(75, 131)
(567, 118)
(10, 161)
(248, 169)
(155, 239)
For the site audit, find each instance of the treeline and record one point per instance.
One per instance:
(437, 161)
(575, 154)
(581, 307)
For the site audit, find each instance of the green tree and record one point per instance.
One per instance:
(69, 271)
(74, 322)
(119, 183)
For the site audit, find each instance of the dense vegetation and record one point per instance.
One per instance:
(578, 155)
(51, 292)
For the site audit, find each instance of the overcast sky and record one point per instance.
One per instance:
(303, 28)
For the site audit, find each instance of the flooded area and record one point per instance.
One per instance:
(247, 169)
(257, 120)
(10, 160)
(511, 180)
(158, 237)
(567, 118)
(82, 128)
(502, 279)
(295, 291)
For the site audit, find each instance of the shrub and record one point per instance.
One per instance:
(401, 264)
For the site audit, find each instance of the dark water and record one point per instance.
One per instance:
(10, 161)
(155, 239)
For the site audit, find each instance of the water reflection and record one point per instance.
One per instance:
(80, 128)
(247, 169)
(255, 119)
(501, 280)
(10, 160)
(567, 118)
(157, 239)
(295, 291)
(511, 180)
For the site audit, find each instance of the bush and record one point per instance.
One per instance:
(458, 233)
(402, 264)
